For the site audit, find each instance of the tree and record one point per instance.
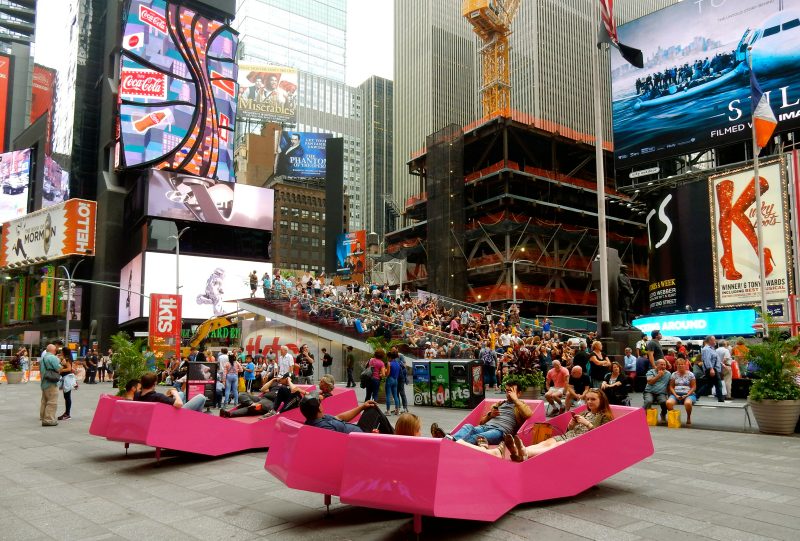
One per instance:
(128, 360)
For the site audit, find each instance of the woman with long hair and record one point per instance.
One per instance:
(600, 364)
(598, 413)
(68, 382)
(616, 386)
(378, 366)
(408, 424)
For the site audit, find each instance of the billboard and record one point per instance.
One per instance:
(195, 199)
(164, 327)
(210, 286)
(5, 98)
(696, 324)
(694, 90)
(15, 173)
(42, 91)
(735, 245)
(48, 234)
(130, 283)
(268, 93)
(350, 254)
(677, 219)
(177, 91)
(55, 184)
(302, 154)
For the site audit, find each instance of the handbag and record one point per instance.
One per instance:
(673, 419)
(366, 376)
(51, 375)
(652, 417)
(541, 432)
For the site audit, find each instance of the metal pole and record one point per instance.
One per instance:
(514, 281)
(69, 298)
(605, 313)
(759, 215)
(177, 265)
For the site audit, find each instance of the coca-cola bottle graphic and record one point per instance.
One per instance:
(440, 395)
(164, 117)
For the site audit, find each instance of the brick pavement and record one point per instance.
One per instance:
(60, 483)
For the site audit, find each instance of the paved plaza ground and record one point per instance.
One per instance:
(61, 483)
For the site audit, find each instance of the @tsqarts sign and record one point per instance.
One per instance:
(727, 322)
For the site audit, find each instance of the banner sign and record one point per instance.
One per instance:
(268, 93)
(42, 91)
(47, 289)
(302, 155)
(177, 91)
(5, 98)
(201, 379)
(694, 90)
(350, 255)
(722, 323)
(735, 247)
(183, 197)
(48, 234)
(164, 331)
(676, 220)
(15, 173)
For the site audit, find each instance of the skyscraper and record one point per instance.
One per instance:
(437, 69)
(380, 211)
(311, 37)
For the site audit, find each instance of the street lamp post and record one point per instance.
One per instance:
(178, 259)
(70, 275)
(514, 277)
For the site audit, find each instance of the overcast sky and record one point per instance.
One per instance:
(370, 39)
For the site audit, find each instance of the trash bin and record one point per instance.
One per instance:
(459, 384)
(440, 383)
(477, 390)
(422, 383)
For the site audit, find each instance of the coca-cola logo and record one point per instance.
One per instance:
(153, 18)
(142, 83)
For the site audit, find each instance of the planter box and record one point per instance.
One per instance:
(776, 416)
(14, 377)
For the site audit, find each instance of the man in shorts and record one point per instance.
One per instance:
(556, 383)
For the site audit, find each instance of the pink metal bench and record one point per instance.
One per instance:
(440, 478)
(164, 427)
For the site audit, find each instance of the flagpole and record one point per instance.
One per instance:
(605, 314)
(759, 217)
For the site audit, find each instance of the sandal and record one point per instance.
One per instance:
(501, 447)
(512, 448)
(480, 441)
(437, 432)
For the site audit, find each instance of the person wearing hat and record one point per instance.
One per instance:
(372, 419)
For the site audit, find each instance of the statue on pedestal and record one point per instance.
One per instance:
(625, 295)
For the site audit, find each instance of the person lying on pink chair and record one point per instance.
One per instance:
(371, 420)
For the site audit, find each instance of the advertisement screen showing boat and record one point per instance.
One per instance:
(694, 90)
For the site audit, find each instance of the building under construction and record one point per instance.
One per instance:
(511, 200)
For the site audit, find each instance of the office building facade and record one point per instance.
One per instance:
(379, 209)
(437, 70)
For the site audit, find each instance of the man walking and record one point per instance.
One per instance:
(350, 362)
(49, 403)
(327, 362)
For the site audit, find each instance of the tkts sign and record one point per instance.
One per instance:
(142, 83)
(164, 335)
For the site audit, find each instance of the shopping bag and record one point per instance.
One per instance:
(241, 385)
(652, 417)
(541, 432)
(724, 389)
(674, 419)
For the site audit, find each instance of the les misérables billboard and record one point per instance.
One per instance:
(694, 90)
(177, 91)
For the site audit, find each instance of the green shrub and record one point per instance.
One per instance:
(128, 359)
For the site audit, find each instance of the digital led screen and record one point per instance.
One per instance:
(15, 172)
(177, 91)
(42, 91)
(55, 184)
(209, 286)
(5, 79)
(723, 323)
(350, 254)
(130, 283)
(302, 154)
(694, 90)
(184, 197)
(268, 93)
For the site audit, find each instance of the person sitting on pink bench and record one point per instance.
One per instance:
(371, 420)
(504, 418)
(173, 397)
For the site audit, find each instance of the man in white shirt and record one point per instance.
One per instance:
(430, 353)
(285, 361)
(725, 358)
(222, 361)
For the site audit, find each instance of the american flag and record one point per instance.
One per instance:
(608, 34)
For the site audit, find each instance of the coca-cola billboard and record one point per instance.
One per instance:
(142, 83)
(177, 91)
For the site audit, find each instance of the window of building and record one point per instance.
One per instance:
(305, 214)
(315, 215)
(295, 213)
(315, 242)
(304, 228)
(294, 226)
(315, 229)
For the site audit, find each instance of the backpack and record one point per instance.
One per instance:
(488, 357)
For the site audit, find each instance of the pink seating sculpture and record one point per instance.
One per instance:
(164, 427)
(441, 478)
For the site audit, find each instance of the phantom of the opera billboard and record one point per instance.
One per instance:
(694, 90)
(735, 248)
(302, 155)
(268, 93)
(177, 91)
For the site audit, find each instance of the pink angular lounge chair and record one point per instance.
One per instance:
(164, 427)
(441, 478)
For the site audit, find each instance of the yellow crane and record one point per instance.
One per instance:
(491, 21)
